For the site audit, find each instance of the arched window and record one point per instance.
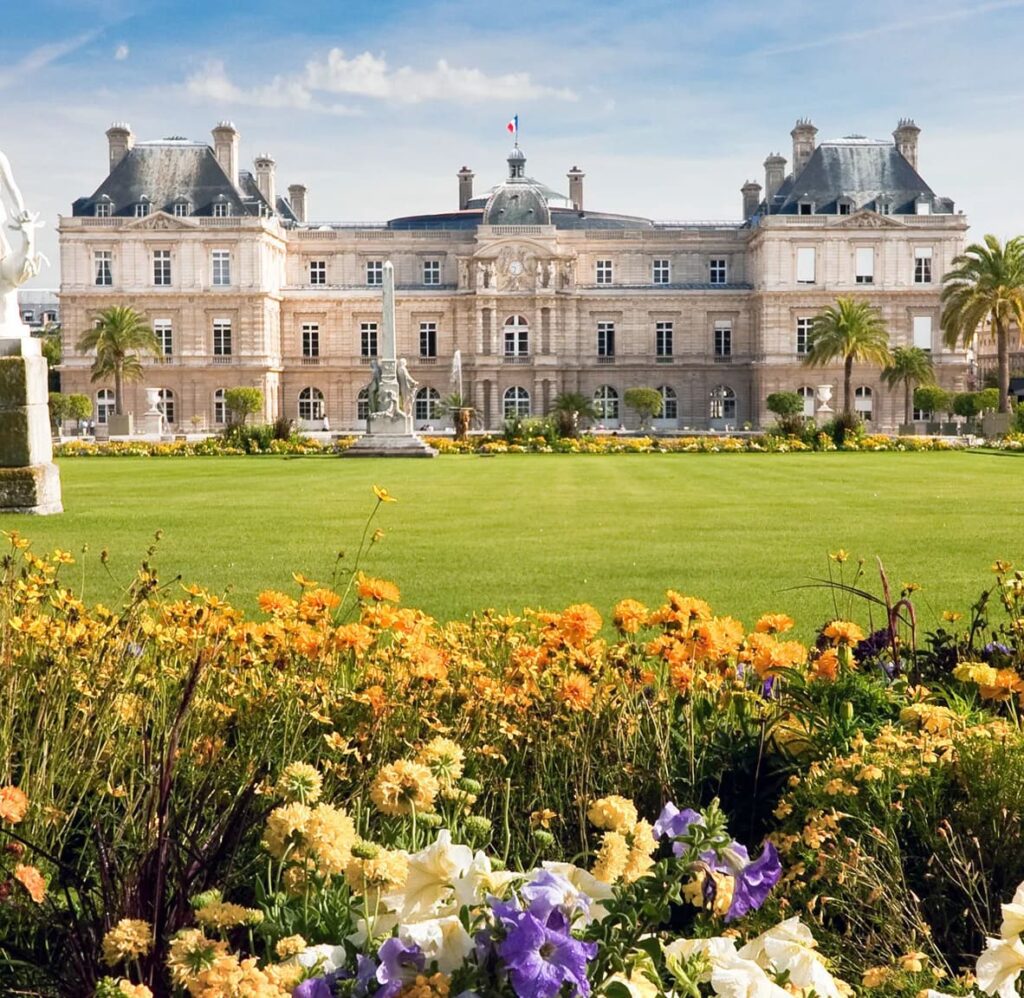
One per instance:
(166, 404)
(807, 394)
(104, 405)
(516, 402)
(517, 336)
(669, 403)
(220, 409)
(862, 402)
(427, 405)
(363, 404)
(606, 402)
(723, 402)
(311, 404)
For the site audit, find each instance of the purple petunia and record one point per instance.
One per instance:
(673, 824)
(399, 965)
(542, 957)
(548, 891)
(753, 880)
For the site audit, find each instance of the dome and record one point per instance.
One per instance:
(517, 155)
(517, 203)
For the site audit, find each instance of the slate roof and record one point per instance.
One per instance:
(863, 170)
(561, 218)
(166, 171)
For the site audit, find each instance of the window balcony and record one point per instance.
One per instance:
(223, 359)
(426, 360)
(516, 359)
(723, 359)
(310, 361)
(606, 360)
(667, 359)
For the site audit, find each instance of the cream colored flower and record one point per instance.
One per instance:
(432, 872)
(715, 950)
(586, 883)
(480, 880)
(613, 814)
(1013, 916)
(1000, 966)
(442, 939)
(734, 977)
(790, 947)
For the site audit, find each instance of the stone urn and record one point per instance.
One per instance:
(153, 401)
(824, 412)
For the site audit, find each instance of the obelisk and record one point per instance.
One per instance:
(389, 430)
(29, 480)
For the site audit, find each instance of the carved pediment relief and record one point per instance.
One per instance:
(865, 219)
(161, 221)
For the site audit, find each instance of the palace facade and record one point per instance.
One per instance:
(538, 293)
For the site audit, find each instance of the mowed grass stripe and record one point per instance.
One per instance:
(547, 530)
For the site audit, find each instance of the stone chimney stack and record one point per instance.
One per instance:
(265, 179)
(465, 187)
(119, 140)
(803, 144)
(774, 174)
(906, 140)
(751, 192)
(576, 176)
(297, 199)
(225, 148)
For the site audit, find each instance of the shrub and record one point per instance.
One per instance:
(931, 398)
(242, 402)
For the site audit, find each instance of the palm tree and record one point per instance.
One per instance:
(910, 367)
(119, 331)
(986, 283)
(851, 331)
(569, 408)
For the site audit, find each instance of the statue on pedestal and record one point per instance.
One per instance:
(406, 386)
(18, 261)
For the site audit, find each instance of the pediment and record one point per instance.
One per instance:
(516, 245)
(865, 219)
(161, 221)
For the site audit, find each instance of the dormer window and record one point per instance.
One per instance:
(102, 209)
(142, 208)
(844, 206)
(806, 208)
(883, 204)
(182, 209)
(923, 205)
(221, 209)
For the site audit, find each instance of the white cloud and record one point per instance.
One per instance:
(368, 76)
(43, 56)
(121, 53)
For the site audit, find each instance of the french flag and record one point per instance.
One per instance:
(513, 126)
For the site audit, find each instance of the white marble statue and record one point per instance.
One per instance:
(19, 260)
(406, 386)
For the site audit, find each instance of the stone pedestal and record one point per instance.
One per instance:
(120, 426)
(390, 436)
(29, 480)
(149, 424)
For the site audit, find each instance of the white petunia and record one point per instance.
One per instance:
(734, 977)
(1013, 916)
(790, 946)
(432, 871)
(586, 883)
(323, 958)
(480, 880)
(1000, 966)
(717, 949)
(442, 939)
(379, 927)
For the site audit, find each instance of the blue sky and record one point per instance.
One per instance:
(667, 106)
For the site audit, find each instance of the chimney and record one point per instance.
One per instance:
(576, 176)
(465, 187)
(751, 192)
(225, 148)
(774, 174)
(803, 144)
(119, 140)
(265, 181)
(297, 198)
(906, 140)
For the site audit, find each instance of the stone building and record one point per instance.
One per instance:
(539, 293)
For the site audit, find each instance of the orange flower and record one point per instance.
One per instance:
(13, 804)
(32, 880)
(681, 674)
(774, 623)
(577, 693)
(355, 636)
(271, 601)
(629, 616)
(843, 632)
(379, 590)
(579, 623)
(316, 602)
(383, 495)
(826, 665)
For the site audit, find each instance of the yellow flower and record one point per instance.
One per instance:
(612, 858)
(444, 758)
(384, 871)
(221, 915)
(289, 946)
(840, 556)
(843, 632)
(129, 939)
(576, 692)
(614, 813)
(13, 804)
(383, 495)
(874, 977)
(130, 990)
(629, 616)
(329, 836)
(1000, 567)
(32, 880)
(191, 954)
(869, 773)
(379, 590)
(300, 781)
(403, 787)
(285, 826)
(641, 852)
(774, 623)
(913, 962)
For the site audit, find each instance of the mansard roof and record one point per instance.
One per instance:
(173, 170)
(561, 218)
(862, 171)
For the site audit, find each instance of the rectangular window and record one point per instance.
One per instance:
(142, 210)
(844, 208)
(181, 209)
(803, 335)
(923, 265)
(717, 271)
(865, 265)
(723, 339)
(222, 337)
(310, 339)
(162, 268)
(431, 272)
(662, 272)
(517, 339)
(374, 272)
(806, 208)
(663, 339)
(604, 272)
(221, 209)
(103, 209)
(221, 268)
(924, 208)
(164, 333)
(428, 339)
(805, 265)
(317, 271)
(104, 273)
(368, 339)
(923, 332)
(606, 339)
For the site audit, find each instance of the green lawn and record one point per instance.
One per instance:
(547, 530)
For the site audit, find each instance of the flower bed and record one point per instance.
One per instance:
(343, 796)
